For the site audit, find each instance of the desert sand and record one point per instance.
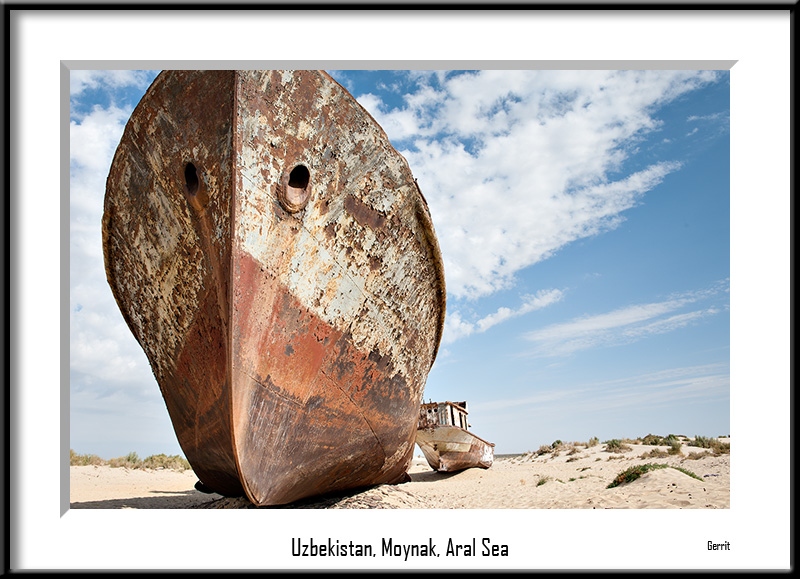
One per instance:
(571, 481)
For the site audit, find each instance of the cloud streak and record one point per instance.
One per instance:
(683, 384)
(623, 325)
(456, 327)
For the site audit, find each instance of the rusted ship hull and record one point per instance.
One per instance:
(450, 448)
(273, 256)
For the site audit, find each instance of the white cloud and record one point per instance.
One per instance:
(456, 328)
(81, 80)
(103, 352)
(517, 164)
(623, 325)
(712, 117)
(93, 139)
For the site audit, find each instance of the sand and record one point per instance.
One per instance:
(571, 481)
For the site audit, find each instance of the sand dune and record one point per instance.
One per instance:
(565, 481)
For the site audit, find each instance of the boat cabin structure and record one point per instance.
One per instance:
(443, 414)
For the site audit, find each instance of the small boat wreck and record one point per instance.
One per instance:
(446, 442)
(272, 254)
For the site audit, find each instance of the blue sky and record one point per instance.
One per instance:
(584, 221)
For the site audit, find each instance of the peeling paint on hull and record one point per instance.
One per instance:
(273, 256)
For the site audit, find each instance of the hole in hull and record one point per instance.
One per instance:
(190, 176)
(296, 189)
(299, 177)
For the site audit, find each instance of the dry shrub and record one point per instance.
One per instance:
(76, 459)
(544, 449)
(719, 448)
(697, 455)
(163, 461)
(131, 460)
(655, 453)
(616, 445)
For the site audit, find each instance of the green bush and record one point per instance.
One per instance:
(635, 472)
(701, 442)
(653, 440)
(686, 472)
(675, 448)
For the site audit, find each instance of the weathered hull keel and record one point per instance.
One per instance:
(273, 256)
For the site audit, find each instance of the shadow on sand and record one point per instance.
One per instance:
(432, 476)
(161, 500)
(193, 499)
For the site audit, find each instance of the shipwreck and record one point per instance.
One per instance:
(274, 257)
(445, 440)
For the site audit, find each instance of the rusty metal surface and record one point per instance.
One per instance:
(272, 254)
(167, 252)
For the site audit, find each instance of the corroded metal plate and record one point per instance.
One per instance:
(272, 254)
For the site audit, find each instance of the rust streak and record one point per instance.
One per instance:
(364, 214)
(268, 385)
